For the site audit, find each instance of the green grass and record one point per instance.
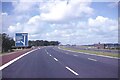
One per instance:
(92, 52)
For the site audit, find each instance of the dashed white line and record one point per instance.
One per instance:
(75, 55)
(53, 48)
(72, 71)
(46, 51)
(66, 53)
(75, 73)
(92, 59)
(55, 59)
(51, 55)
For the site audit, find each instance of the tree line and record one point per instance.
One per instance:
(7, 43)
(43, 43)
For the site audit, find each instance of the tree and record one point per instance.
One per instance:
(7, 42)
(43, 43)
(54, 43)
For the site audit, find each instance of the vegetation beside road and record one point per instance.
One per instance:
(91, 52)
(7, 44)
(43, 43)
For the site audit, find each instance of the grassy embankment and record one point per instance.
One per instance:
(92, 52)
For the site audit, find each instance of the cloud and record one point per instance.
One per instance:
(103, 29)
(6, 21)
(4, 14)
(99, 28)
(103, 23)
(34, 20)
(63, 11)
(16, 28)
(68, 22)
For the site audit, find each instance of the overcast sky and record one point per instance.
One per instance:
(67, 21)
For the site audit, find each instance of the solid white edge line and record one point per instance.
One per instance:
(55, 59)
(72, 71)
(92, 59)
(12, 61)
(91, 54)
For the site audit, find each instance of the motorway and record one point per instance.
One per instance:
(51, 62)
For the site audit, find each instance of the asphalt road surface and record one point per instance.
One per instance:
(51, 62)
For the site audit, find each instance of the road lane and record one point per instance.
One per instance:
(75, 73)
(37, 64)
(106, 60)
(51, 62)
(85, 67)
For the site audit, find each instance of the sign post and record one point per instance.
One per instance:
(21, 39)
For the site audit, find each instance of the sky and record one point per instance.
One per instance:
(66, 21)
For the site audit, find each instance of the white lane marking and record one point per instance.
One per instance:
(12, 61)
(72, 70)
(75, 55)
(55, 59)
(66, 53)
(89, 54)
(51, 55)
(64, 65)
(46, 51)
(54, 49)
(92, 59)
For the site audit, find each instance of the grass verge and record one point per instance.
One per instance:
(92, 52)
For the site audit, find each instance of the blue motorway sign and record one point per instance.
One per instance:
(21, 39)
